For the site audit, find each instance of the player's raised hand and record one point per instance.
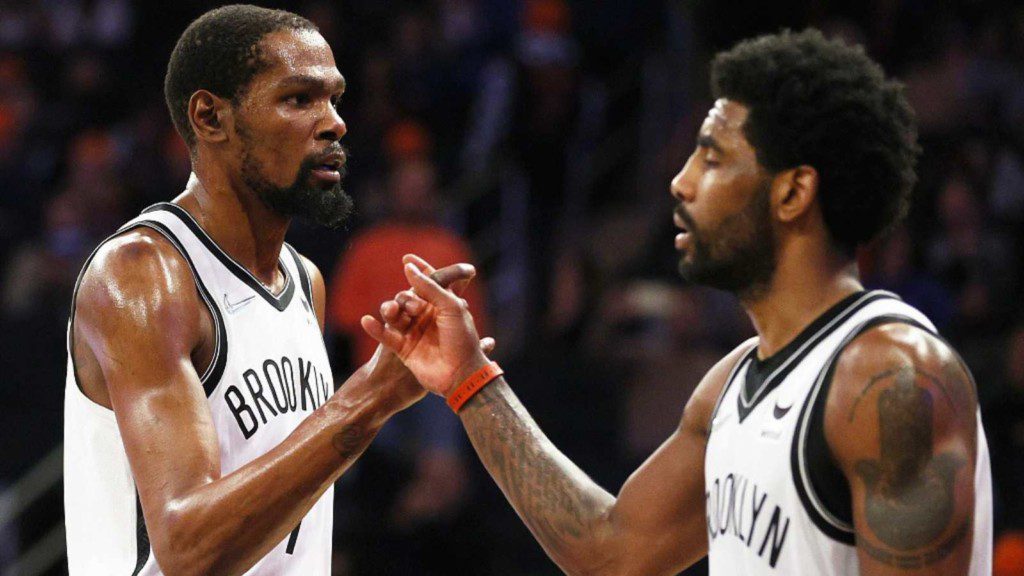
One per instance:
(430, 329)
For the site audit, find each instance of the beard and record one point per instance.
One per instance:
(738, 255)
(329, 206)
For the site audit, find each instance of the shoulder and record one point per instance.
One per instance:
(889, 353)
(897, 373)
(701, 405)
(138, 280)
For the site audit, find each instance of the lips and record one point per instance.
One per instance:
(329, 167)
(679, 222)
(332, 162)
(682, 239)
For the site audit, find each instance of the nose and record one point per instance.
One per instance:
(683, 185)
(334, 126)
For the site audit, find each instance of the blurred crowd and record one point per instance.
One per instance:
(537, 139)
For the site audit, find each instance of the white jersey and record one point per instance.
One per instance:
(775, 502)
(269, 372)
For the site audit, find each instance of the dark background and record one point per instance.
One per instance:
(553, 128)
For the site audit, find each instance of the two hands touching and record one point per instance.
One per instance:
(429, 328)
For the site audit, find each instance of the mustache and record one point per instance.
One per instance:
(313, 160)
(332, 149)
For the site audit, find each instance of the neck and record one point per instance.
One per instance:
(238, 221)
(802, 288)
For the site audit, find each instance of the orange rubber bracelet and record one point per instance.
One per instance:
(470, 386)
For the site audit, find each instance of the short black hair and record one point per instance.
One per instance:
(220, 52)
(820, 102)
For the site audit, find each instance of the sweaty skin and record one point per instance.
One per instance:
(911, 486)
(141, 334)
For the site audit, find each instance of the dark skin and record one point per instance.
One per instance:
(900, 417)
(142, 334)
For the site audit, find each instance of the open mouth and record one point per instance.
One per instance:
(682, 239)
(330, 168)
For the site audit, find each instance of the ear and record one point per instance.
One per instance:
(794, 191)
(210, 116)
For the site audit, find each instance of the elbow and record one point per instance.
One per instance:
(178, 550)
(594, 556)
(592, 566)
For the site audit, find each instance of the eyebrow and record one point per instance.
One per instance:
(308, 81)
(706, 141)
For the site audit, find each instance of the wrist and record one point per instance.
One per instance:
(473, 384)
(465, 370)
(374, 393)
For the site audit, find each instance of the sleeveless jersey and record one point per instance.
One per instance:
(268, 373)
(775, 502)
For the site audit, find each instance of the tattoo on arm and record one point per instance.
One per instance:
(350, 441)
(910, 500)
(556, 500)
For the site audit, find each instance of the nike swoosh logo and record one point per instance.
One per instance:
(233, 307)
(779, 411)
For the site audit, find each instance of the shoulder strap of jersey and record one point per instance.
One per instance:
(214, 262)
(822, 487)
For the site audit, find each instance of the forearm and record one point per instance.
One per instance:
(564, 509)
(226, 525)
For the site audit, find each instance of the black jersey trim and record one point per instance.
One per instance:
(280, 302)
(763, 376)
(211, 376)
(142, 545)
(821, 485)
(304, 280)
(728, 382)
(215, 370)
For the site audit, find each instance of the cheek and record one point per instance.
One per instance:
(713, 200)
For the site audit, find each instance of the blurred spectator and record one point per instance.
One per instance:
(369, 271)
(528, 106)
(893, 269)
(1008, 557)
(661, 328)
(972, 260)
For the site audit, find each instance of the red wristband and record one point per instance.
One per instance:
(470, 386)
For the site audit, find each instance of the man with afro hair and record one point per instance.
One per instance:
(845, 438)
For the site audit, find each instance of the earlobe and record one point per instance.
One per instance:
(796, 191)
(206, 113)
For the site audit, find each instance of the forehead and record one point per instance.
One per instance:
(725, 120)
(290, 53)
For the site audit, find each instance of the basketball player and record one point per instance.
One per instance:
(202, 430)
(844, 439)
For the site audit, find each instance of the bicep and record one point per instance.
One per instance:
(660, 509)
(902, 429)
(138, 312)
(660, 512)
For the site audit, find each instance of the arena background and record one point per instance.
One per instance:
(541, 136)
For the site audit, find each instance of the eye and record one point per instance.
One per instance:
(300, 99)
(336, 100)
(710, 162)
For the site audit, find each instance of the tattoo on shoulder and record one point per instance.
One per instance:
(910, 499)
